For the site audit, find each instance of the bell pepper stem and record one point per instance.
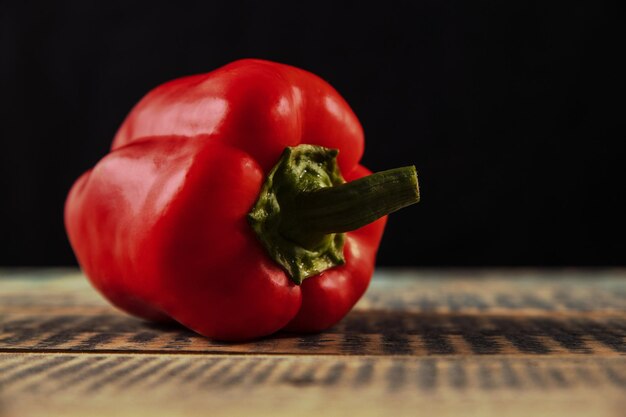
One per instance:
(349, 206)
(305, 207)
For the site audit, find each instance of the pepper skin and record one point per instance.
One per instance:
(159, 225)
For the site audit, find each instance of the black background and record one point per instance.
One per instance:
(513, 112)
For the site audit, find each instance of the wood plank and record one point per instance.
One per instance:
(423, 315)
(169, 385)
(447, 343)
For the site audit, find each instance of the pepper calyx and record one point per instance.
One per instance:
(305, 207)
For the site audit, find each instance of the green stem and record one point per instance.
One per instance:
(305, 206)
(349, 206)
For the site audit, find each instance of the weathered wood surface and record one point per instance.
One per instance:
(445, 343)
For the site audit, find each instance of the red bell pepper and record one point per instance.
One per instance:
(224, 206)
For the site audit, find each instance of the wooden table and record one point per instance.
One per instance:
(491, 342)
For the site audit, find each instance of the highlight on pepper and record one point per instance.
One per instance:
(234, 203)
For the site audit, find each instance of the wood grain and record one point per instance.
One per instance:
(447, 343)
